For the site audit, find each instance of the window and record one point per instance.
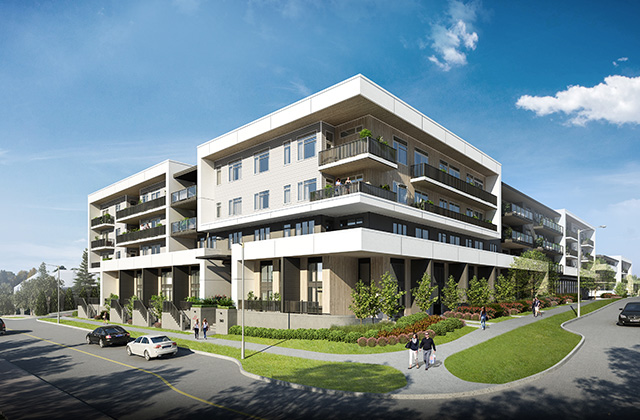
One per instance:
(235, 238)
(454, 207)
(401, 150)
(479, 183)
(478, 245)
(348, 132)
(307, 147)
(235, 170)
(401, 192)
(444, 166)
(287, 194)
(194, 281)
(166, 284)
(478, 215)
(211, 242)
(420, 157)
(117, 231)
(454, 240)
(261, 162)
(469, 212)
(287, 230)
(422, 233)
(493, 247)
(118, 206)
(266, 280)
(400, 229)
(420, 196)
(262, 234)
(305, 228)
(305, 188)
(155, 195)
(454, 172)
(235, 206)
(261, 200)
(314, 281)
(218, 176)
(287, 152)
(351, 222)
(468, 243)
(117, 255)
(218, 209)
(442, 237)
(443, 203)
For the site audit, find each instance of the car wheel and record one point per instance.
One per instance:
(146, 355)
(129, 351)
(101, 342)
(88, 340)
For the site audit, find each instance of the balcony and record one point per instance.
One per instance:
(423, 172)
(515, 215)
(184, 198)
(141, 234)
(517, 240)
(102, 243)
(549, 246)
(102, 221)
(185, 227)
(354, 187)
(432, 208)
(549, 226)
(141, 208)
(357, 156)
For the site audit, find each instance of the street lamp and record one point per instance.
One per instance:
(580, 260)
(58, 287)
(243, 301)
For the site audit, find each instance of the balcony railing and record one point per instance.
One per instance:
(354, 187)
(550, 246)
(178, 316)
(107, 219)
(521, 237)
(519, 211)
(95, 265)
(355, 148)
(141, 234)
(424, 205)
(287, 306)
(102, 243)
(550, 224)
(183, 225)
(142, 207)
(441, 176)
(183, 194)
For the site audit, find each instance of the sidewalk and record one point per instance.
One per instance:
(437, 382)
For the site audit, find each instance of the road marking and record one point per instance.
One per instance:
(167, 383)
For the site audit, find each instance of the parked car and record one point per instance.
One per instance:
(630, 315)
(151, 346)
(108, 335)
(3, 328)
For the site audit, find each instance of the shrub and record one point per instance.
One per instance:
(432, 333)
(475, 317)
(382, 341)
(352, 337)
(371, 333)
(393, 340)
(362, 341)
(372, 341)
(439, 329)
(337, 335)
(513, 311)
(403, 338)
(467, 316)
(447, 314)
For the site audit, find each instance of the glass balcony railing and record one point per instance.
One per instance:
(522, 237)
(550, 224)
(519, 211)
(355, 148)
(184, 225)
(550, 246)
(183, 194)
(451, 181)
(354, 187)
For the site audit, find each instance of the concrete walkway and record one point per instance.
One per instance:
(437, 382)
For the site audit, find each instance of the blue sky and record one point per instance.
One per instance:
(94, 91)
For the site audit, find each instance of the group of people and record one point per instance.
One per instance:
(535, 307)
(196, 328)
(347, 184)
(426, 344)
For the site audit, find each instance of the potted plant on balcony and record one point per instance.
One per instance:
(364, 133)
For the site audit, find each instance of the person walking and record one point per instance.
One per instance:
(538, 305)
(196, 329)
(205, 327)
(413, 345)
(426, 345)
(483, 317)
(533, 307)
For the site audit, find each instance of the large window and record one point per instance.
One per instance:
(305, 188)
(287, 194)
(400, 229)
(166, 282)
(307, 147)
(305, 228)
(235, 206)
(261, 200)
(287, 152)
(454, 240)
(420, 157)
(262, 234)
(194, 281)
(401, 150)
(401, 192)
(314, 270)
(235, 238)
(261, 162)
(420, 196)
(266, 280)
(442, 237)
(235, 170)
(422, 233)
(454, 207)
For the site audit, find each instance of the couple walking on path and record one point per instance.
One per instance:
(196, 328)
(426, 345)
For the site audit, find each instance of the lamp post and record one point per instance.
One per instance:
(580, 260)
(58, 287)
(243, 302)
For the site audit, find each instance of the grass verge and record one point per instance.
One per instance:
(354, 377)
(517, 354)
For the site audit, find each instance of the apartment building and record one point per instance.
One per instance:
(621, 266)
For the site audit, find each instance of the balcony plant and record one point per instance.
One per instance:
(364, 133)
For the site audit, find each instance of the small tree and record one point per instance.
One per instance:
(529, 270)
(129, 306)
(621, 289)
(156, 305)
(390, 295)
(69, 301)
(451, 294)
(84, 279)
(424, 293)
(365, 300)
(478, 293)
(41, 304)
(505, 288)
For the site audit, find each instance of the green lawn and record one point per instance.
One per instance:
(519, 353)
(354, 377)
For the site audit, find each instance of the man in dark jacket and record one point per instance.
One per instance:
(426, 345)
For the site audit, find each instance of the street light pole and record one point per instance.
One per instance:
(242, 298)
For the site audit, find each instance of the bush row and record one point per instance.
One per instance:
(440, 328)
(297, 334)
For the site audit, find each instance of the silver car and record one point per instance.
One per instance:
(152, 346)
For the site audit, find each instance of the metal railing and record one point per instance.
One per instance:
(142, 207)
(183, 194)
(138, 306)
(183, 225)
(287, 306)
(432, 172)
(355, 148)
(122, 313)
(180, 317)
(87, 307)
(141, 234)
(426, 206)
(102, 243)
(102, 220)
(354, 187)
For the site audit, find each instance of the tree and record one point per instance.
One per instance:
(156, 305)
(390, 295)
(41, 304)
(505, 288)
(598, 275)
(30, 291)
(451, 294)
(69, 302)
(6, 299)
(478, 293)
(365, 300)
(529, 271)
(621, 289)
(84, 279)
(424, 293)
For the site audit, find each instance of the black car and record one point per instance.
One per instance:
(108, 335)
(3, 328)
(630, 315)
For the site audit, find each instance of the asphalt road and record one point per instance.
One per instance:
(602, 379)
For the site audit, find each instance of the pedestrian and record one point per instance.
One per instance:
(533, 307)
(483, 317)
(338, 184)
(538, 305)
(426, 345)
(104, 317)
(413, 345)
(196, 329)
(205, 327)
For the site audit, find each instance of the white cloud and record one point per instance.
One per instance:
(452, 41)
(620, 60)
(616, 101)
